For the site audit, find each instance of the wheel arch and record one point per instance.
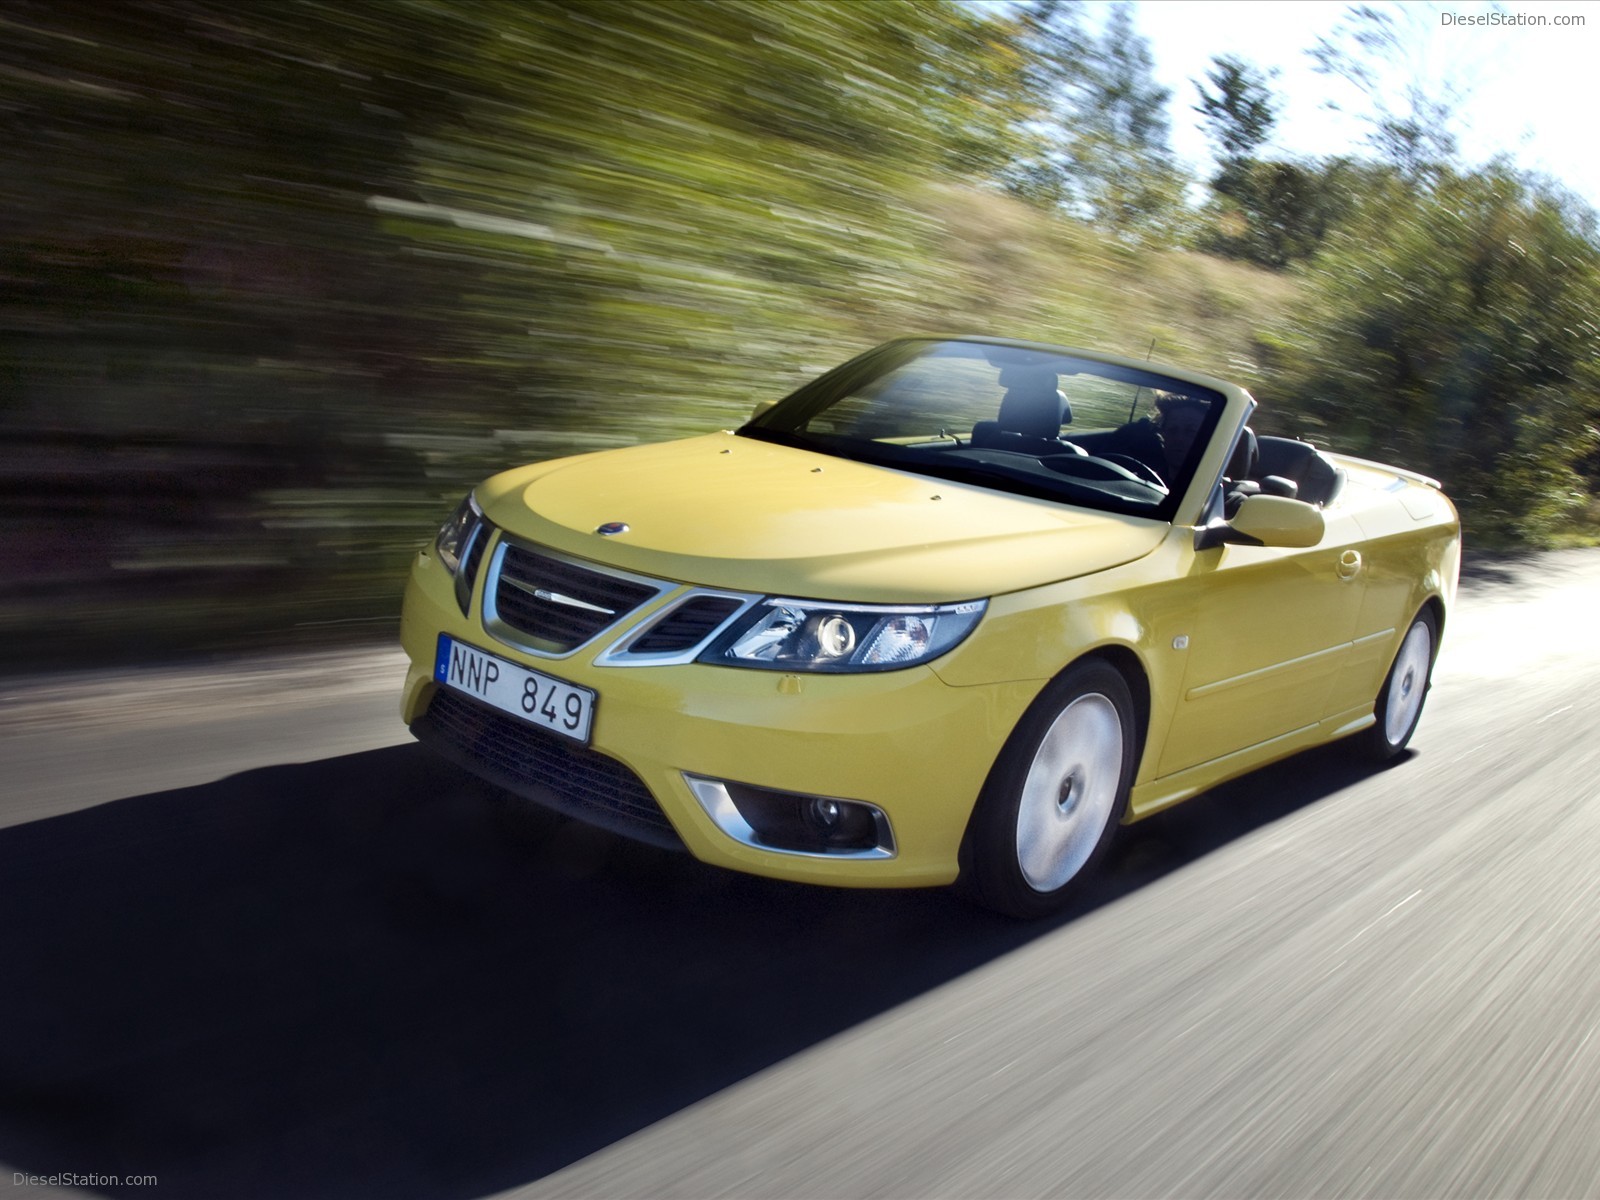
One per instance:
(1131, 667)
(1126, 662)
(1434, 603)
(977, 852)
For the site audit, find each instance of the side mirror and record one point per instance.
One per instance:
(761, 407)
(1267, 521)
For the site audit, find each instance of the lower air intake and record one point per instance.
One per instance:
(543, 767)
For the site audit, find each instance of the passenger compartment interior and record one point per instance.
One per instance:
(1276, 466)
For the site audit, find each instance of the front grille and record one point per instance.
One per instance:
(685, 626)
(543, 767)
(576, 604)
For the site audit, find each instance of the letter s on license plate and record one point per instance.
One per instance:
(558, 706)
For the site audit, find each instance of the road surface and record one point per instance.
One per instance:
(256, 943)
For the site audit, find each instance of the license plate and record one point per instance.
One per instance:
(538, 698)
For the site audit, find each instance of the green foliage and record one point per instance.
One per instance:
(1275, 212)
(1453, 331)
(306, 270)
(1241, 112)
(658, 193)
(1269, 212)
(975, 91)
(282, 279)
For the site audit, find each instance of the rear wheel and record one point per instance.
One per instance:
(1053, 803)
(1399, 705)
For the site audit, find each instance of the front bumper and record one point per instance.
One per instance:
(904, 741)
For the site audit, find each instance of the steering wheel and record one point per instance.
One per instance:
(1139, 467)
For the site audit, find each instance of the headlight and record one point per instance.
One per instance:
(456, 534)
(812, 635)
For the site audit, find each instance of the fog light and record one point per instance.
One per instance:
(825, 814)
(792, 823)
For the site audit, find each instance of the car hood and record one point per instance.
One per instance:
(732, 512)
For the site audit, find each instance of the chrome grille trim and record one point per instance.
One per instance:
(552, 605)
(472, 559)
(621, 654)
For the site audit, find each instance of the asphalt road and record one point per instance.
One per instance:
(255, 943)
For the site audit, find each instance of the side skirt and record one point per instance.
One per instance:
(1149, 798)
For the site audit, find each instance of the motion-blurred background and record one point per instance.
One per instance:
(279, 281)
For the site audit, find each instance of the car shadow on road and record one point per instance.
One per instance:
(342, 978)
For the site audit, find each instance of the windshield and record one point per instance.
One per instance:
(1031, 420)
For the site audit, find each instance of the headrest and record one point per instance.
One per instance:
(1033, 404)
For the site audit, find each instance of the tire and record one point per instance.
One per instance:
(1405, 687)
(1056, 796)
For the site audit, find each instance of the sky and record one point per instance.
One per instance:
(1529, 91)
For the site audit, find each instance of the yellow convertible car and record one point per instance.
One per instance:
(951, 612)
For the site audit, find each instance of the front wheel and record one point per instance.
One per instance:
(1054, 800)
(1399, 705)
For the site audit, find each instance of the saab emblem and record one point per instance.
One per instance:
(612, 528)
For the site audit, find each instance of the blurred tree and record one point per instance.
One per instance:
(206, 329)
(1271, 212)
(637, 183)
(1121, 150)
(352, 256)
(1106, 151)
(1241, 112)
(1454, 331)
(980, 93)
(1054, 47)
(280, 279)
(1377, 50)
(1285, 209)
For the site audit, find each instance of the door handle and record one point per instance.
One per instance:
(1349, 564)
